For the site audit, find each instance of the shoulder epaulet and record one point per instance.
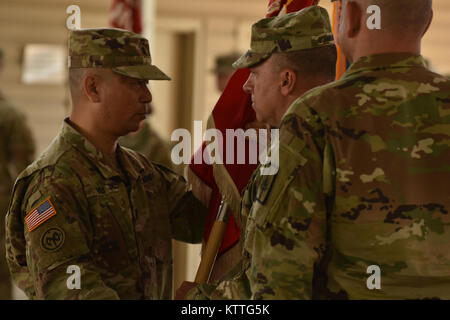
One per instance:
(49, 157)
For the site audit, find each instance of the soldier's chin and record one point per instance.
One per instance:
(140, 126)
(131, 128)
(258, 116)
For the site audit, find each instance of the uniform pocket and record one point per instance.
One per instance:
(113, 233)
(274, 187)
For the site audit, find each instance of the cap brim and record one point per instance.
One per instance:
(144, 72)
(250, 59)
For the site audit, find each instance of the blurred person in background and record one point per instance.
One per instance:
(148, 142)
(224, 69)
(16, 153)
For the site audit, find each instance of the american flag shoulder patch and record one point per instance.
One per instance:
(40, 214)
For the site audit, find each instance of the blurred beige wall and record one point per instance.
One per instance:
(217, 26)
(25, 22)
(436, 42)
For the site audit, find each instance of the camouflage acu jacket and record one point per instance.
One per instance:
(364, 181)
(72, 207)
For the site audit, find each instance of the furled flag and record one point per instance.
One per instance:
(342, 63)
(232, 111)
(126, 14)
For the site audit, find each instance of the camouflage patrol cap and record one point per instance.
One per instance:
(224, 62)
(305, 29)
(124, 52)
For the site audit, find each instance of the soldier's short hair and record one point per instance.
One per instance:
(316, 62)
(75, 80)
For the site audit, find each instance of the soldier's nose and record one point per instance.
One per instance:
(147, 96)
(247, 87)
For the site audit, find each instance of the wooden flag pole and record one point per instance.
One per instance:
(213, 244)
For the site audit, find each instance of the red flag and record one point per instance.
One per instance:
(276, 6)
(233, 111)
(293, 5)
(126, 14)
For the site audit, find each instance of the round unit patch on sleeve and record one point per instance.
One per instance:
(40, 214)
(52, 239)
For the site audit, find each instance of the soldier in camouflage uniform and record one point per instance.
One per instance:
(364, 176)
(224, 69)
(289, 55)
(17, 152)
(91, 205)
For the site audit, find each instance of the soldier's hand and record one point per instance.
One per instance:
(185, 287)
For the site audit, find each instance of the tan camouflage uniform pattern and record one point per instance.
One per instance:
(363, 180)
(116, 224)
(17, 152)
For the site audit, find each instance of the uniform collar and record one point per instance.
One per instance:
(138, 140)
(385, 61)
(95, 156)
(128, 163)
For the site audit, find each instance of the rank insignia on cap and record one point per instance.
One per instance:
(40, 214)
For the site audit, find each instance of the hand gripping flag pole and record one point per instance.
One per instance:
(213, 244)
(226, 181)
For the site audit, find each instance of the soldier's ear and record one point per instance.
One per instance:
(429, 22)
(91, 84)
(288, 80)
(354, 19)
